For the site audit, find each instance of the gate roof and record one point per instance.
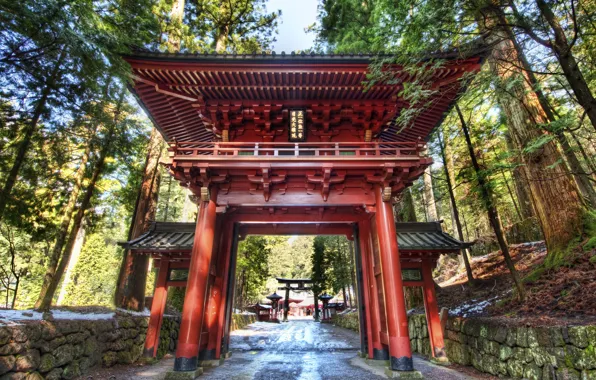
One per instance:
(177, 90)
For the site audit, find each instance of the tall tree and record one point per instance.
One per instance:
(493, 214)
(67, 215)
(319, 269)
(455, 211)
(107, 145)
(557, 27)
(130, 292)
(558, 205)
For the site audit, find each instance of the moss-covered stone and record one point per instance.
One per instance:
(578, 336)
(64, 354)
(6, 363)
(522, 337)
(490, 347)
(542, 357)
(500, 334)
(505, 352)
(34, 376)
(565, 373)
(27, 361)
(511, 337)
(109, 358)
(515, 368)
(548, 372)
(14, 376)
(12, 348)
(457, 353)
(5, 335)
(47, 362)
(532, 372)
(55, 374)
(90, 346)
(72, 370)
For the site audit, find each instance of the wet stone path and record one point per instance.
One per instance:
(300, 349)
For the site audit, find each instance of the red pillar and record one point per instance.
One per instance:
(214, 298)
(225, 258)
(365, 257)
(158, 307)
(380, 351)
(435, 332)
(196, 289)
(400, 353)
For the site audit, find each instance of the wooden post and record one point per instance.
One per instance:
(287, 303)
(361, 286)
(196, 290)
(380, 351)
(158, 307)
(435, 332)
(365, 301)
(400, 353)
(214, 299)
(226, 257)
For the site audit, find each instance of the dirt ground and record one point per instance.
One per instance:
(562, 296)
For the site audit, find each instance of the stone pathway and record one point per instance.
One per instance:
(299, 349)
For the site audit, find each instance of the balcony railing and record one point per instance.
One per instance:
(304, 150)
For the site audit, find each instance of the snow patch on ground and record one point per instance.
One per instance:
(10, 317)
(144, 313)
(475, 307)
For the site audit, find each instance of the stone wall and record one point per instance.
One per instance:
(65, 349)
(554, 352)
(240, 321)
(347, 321)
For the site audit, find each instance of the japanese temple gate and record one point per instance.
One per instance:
(276, 144)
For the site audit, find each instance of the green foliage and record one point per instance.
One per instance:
(236, 26)
(251, 270)
(94, 275)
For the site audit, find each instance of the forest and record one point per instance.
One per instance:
(514, 158)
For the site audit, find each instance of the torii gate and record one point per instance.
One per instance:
(276, 144)
(300, 285)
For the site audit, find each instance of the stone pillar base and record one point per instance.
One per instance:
(211, 362)
(184, 375)
(377, 363)
(440, 361)
(415, 375)
(227, 355)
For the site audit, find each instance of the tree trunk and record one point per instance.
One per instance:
(28, 132)
(568, 63)
(522, 190)
(64, 224)
(404, 209)
(106, 147)
(221, 39)
(132, 279)
(493, 214)
(74, 259)
(454, 209)
(176, 20)
(581, 178)
(353, 299)
(429, 197)
(558, 205)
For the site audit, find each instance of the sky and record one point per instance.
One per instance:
(295, 16)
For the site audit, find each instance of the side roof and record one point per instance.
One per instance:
(167, 237)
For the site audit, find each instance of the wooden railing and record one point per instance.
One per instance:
(337, 150)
